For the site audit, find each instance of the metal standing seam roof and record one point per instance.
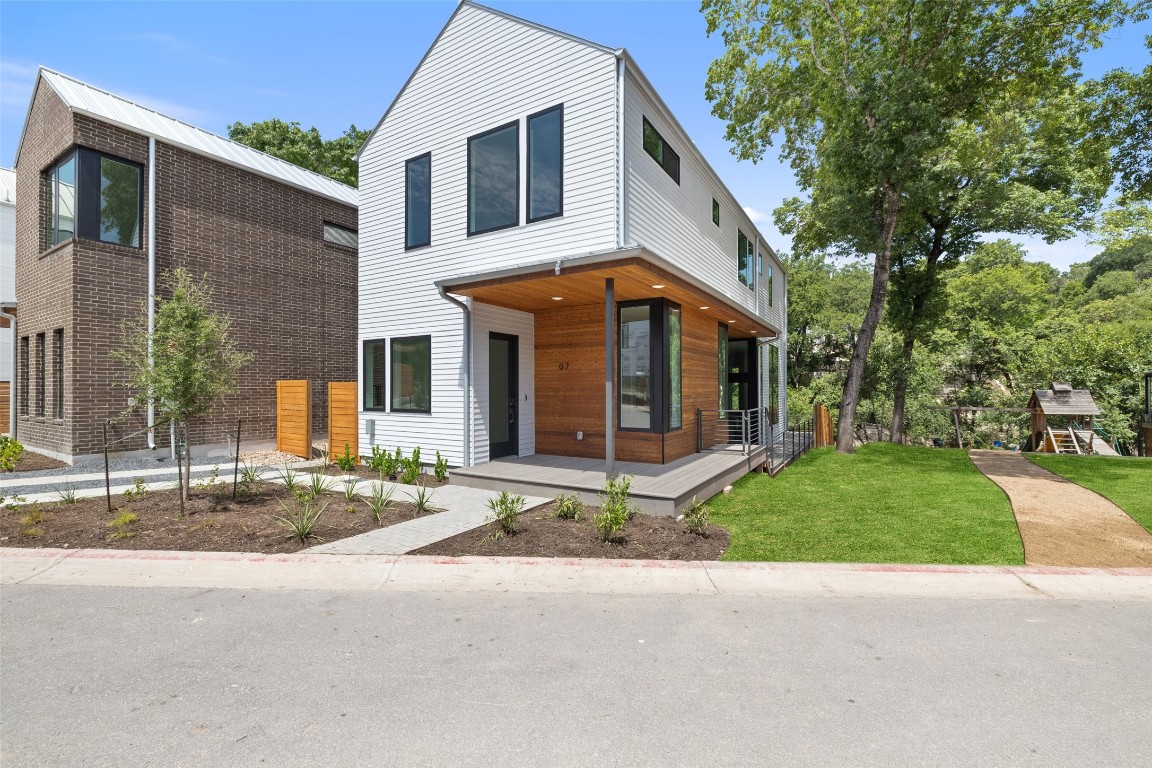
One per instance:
(7, 185)
(86, 99)
(1075, 402)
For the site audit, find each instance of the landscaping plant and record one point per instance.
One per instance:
(441, 467)
(569, 506)
(301, 517)
(505, 509)
(422, 499)
(121, 523)
(697, 518)
(377, 461)
(138, 490)
(319, 485)
(347, 462)
(288, 476)
(250, 473)
(10, 452)
(67, 496)
(349, 484)
(380, 500)
(615, 508)
(31, 521)
(410, 468)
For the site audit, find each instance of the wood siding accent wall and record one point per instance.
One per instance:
(5, 405)
(343, 421)
(294, 417)
(570, 386)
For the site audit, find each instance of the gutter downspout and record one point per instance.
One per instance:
(467, 372)
(12, 390)
(621, 168)
(151, 279)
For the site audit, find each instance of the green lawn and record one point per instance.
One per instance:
(884, 504)
(1126, 481)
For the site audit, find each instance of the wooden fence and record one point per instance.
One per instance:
(343, 419)
(822, 433)
(5, 404)
(294, 417)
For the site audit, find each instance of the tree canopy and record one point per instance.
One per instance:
(305, 148)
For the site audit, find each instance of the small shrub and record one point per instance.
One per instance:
(390, 463)
(121, 524)
(615, 508)
(380, 500)
(213, 484)
(67, 496)
(31, 523)
(569, 506)
(249, 473)
(697, 517)
(138, 490)
(10, 452)
(300, 519)
(349, 484)
(441, 467)
(505, 509)
(422, 499)
(288, 477)
(347, 462)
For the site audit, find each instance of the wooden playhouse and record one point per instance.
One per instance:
(1062, 421)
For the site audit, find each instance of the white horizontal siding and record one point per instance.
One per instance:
(7, 253)
(484, 71)
(487, 319)
(675, 220)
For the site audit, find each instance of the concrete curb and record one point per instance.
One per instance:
(409, 573)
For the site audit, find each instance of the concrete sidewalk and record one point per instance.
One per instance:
(305, 571)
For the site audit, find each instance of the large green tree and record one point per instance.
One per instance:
(863, 96)
(1126, 117)
(305, 148)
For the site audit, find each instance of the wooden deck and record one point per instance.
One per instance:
(657, 489)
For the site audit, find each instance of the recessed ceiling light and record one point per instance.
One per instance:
(731, 321)
(557, 298)
(657, 286)
(705, 307)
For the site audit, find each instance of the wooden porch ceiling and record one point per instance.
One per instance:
(578, 285)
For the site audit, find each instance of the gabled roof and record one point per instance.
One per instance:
(107, 107)
(1064, 401)
(7, 185)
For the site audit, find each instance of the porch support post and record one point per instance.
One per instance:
(609, 377)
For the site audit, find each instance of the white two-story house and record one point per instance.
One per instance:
(548, 265)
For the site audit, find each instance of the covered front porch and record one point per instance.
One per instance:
(657, 489)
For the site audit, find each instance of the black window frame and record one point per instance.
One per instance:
(468, 180)
(326, 225)
(528, 166)
(715, 211)
(23, 374)
(667, 154)
(86, 224)
(659, 364)
(383, 406)
(746, 249)
(58, 374)
(392, 386)
(408, 246)
(41, 399)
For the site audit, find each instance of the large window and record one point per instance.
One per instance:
(412, 374)
(745, 259)
(722, 344)
(546, 164)
(648, 349)
(418, 201)
(375, 375)
(494, 179)
(40, 400)
(58, 373)
(659, 150)
(23, 383)
(95, 197)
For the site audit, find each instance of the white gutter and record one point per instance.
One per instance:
(467, 372)
(12, 390)
(621, 168)
(151, 278)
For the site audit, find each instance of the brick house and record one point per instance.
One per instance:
(7, 292)
(106, 188)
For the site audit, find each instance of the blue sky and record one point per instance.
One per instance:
(336, 63)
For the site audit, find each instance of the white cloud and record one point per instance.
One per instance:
(759, 218)
(17, 79)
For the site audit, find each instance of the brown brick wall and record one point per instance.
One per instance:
(291, 297)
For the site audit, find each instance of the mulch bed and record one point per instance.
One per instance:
(367, 473)
(31, 461)
(540, 534)
(212, 523)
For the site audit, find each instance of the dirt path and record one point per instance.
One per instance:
(1062, 523)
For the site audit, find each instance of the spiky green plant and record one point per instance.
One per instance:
(287, 475)
(349, 485)
(422, 499)
(505, 508)
(301, 517)
(380, 499)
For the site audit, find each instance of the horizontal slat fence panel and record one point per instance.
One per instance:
(294, 417)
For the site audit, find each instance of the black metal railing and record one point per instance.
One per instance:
(796, 440)
(731, 428)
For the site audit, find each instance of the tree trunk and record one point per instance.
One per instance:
(855, 379)
(187, 459)
(901, 388)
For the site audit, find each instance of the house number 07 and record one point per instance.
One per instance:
(563, 366)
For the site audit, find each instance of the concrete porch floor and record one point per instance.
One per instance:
(657, 489)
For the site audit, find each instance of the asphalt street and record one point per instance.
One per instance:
(112, 676)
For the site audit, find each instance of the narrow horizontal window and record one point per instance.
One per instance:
(494, 179)
(341, 236)
(375, 375)
(546, 164)
(418, 202)
(412, 374)
(659, 150)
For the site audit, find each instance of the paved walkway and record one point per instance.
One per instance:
(1062, 523)
(414, 573)
(463, 509)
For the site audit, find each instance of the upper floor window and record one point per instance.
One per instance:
(418, 201)
(546, 164)
(745, 259)
(655, 146)
(715, 212)
(95, 197)
(338, 235)
(494, 179)
(769, 283)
